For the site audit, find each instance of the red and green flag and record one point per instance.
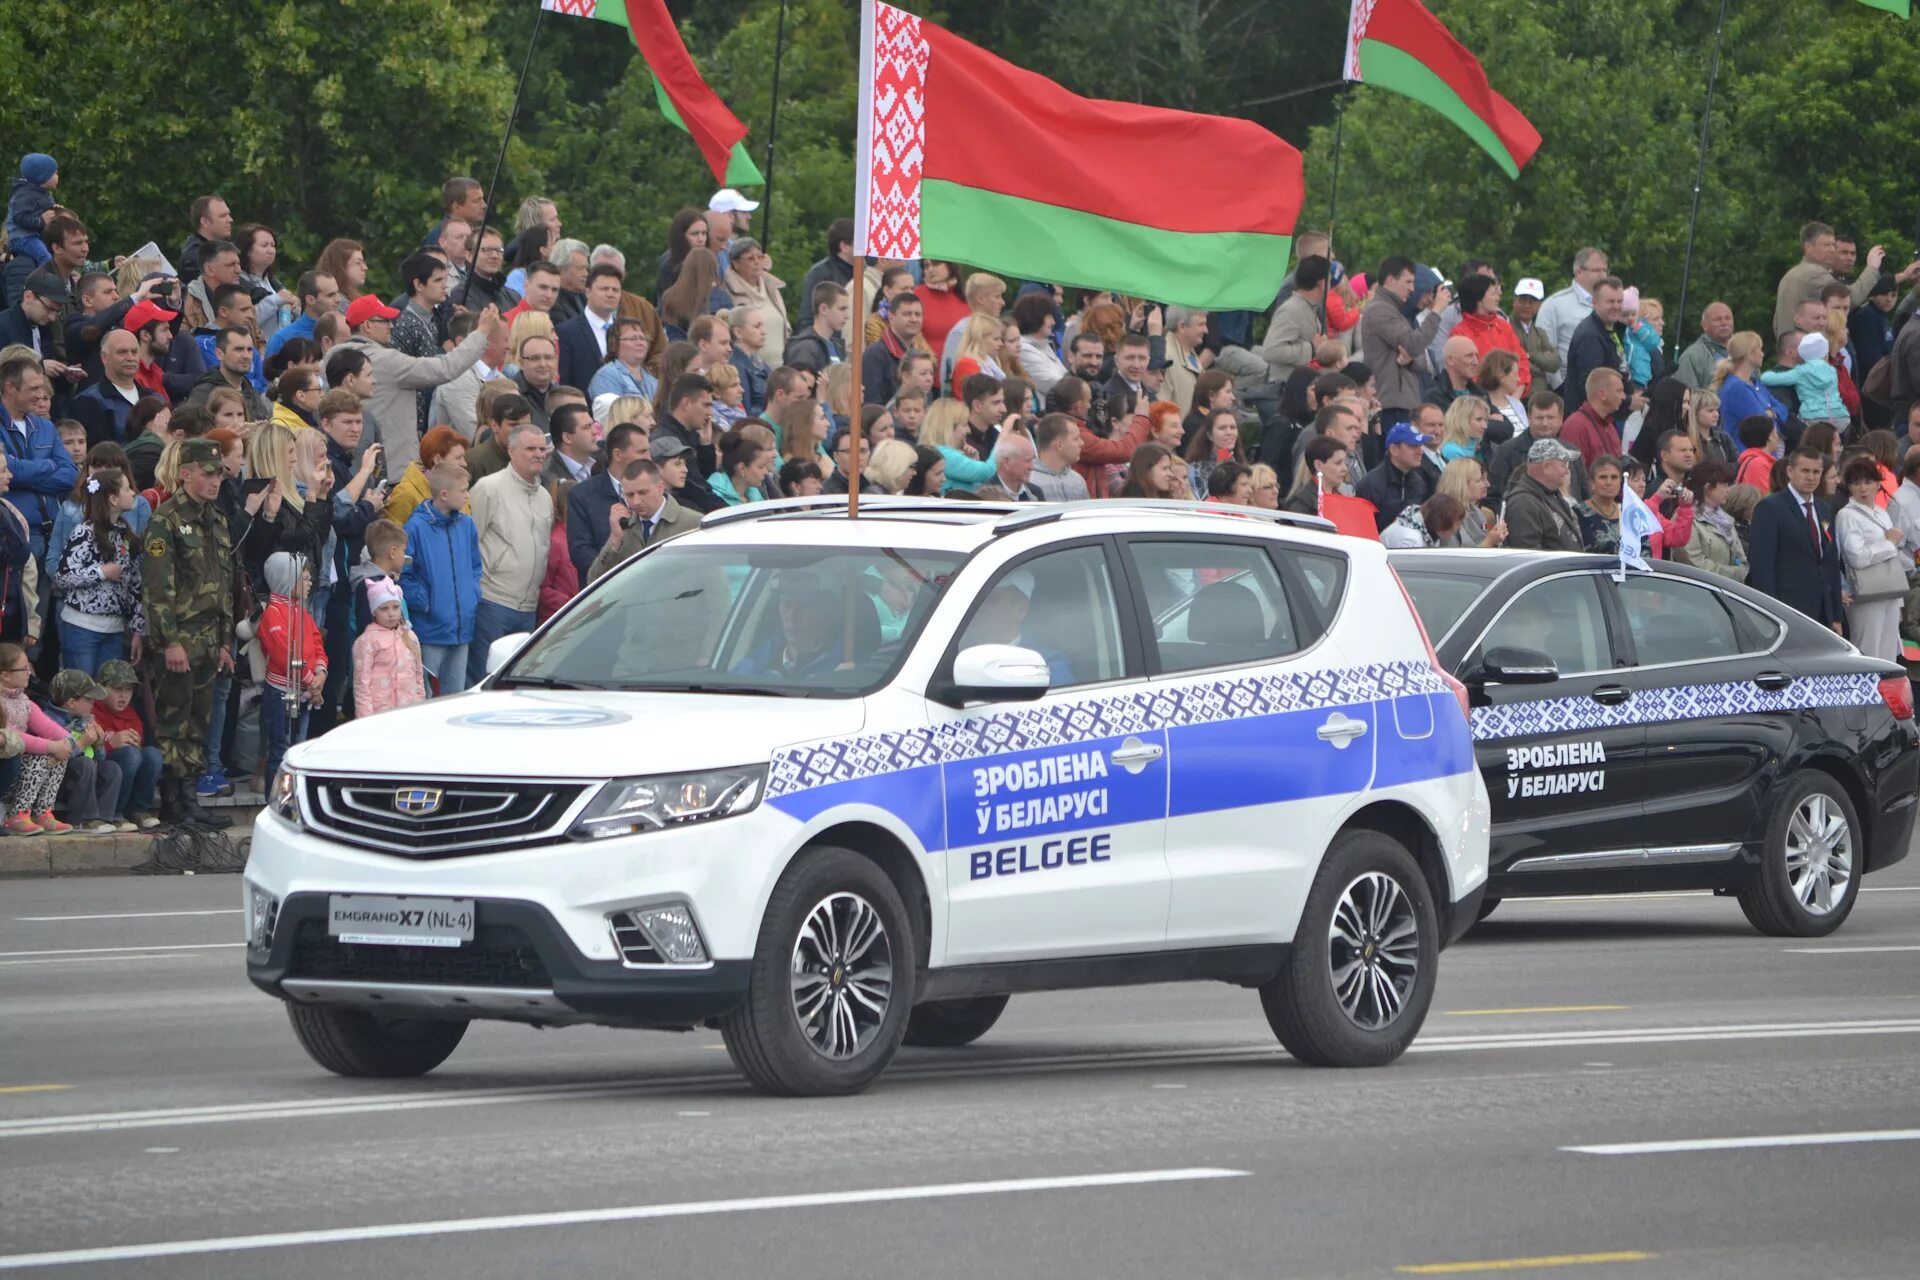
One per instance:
(685, 100)
(967, 157)
(1902, 7)
(1398, 45)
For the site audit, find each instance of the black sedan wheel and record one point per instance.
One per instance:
(1809, 875)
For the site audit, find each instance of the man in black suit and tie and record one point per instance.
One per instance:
(583, 339)
(590, 501)
(1795, 558)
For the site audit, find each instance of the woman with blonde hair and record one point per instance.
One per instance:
(1465, 480)
(944, 430)
(286, 519)
(980, 350)
(1737, 381)
(1711, 441)
(839, 396)
(890, 465)
(1464, 428)
(133, 271)
(625, 409)
(166, 475)
(1266, 487)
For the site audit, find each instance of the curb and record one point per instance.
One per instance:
(26, 857)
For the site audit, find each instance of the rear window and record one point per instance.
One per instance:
(1441, 599)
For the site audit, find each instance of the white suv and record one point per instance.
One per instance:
(829, 784)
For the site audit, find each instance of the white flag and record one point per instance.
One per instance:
(1636, 522)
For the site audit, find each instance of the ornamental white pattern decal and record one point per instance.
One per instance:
(1673, 702)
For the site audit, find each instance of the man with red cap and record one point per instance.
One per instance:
(392, 409)
(152, 328)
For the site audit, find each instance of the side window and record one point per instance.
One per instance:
(1562, 618)
(1326, 578)
(1675, 621)
(1213, 604)
(1758, 630)
(1061, 604)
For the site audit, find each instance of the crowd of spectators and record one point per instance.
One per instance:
(245, 502)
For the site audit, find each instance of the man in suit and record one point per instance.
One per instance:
(645, 514)
(589, 503)
(583, 339)
(572, 429)
(1795, 559)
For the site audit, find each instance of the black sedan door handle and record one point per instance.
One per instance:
(1611, 695)
(1773, 679)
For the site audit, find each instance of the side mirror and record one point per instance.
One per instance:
(501, 651)
(1510, 664)
(993, 673)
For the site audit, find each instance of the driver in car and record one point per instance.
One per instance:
(1003, 618)
(812, 636)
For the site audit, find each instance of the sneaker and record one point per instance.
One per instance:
(209, 786)
(98, 827)
(22, 825)
(124, 827)
(50, 825)
(145, 821)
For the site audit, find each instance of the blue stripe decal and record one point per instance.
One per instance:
(1268, 760)
(1671, 702)
(912, 796)
(1440, 754)
(1114, 715)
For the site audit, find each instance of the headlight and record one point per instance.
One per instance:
(284, 797)
(627, 806)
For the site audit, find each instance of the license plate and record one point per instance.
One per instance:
(363, 919)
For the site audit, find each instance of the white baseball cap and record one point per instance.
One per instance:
(1530, 288)
(727, 200)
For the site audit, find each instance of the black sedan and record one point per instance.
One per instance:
(1671, 730)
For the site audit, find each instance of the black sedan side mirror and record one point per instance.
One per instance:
(1510, 664)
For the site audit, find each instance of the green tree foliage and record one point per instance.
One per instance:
(1816, 115)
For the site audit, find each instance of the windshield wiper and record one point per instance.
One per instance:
(751, 690)
(540, 682)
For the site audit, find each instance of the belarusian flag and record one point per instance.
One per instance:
(965, 157)
(1398, 45)
(685, 99)
(1902, 7)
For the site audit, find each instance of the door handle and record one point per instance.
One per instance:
(1611, 695)
(1134, 755)
(1340, 731)
(1773, 679)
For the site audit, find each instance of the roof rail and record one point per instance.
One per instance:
(1027, 516)
(836, 503)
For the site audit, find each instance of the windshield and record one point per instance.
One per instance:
(1442, 599)
(780, 621)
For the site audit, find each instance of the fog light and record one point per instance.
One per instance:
(263, 910)
(674, 934)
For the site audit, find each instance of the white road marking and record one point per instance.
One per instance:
(1748, 1144)
(588, 1217)
(429, 1099)
(1675, 893)
(8, 964)
(133, 915)
(102, 951)
(1843, 951)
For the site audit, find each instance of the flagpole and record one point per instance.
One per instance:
(1699, 177)
(773, 130)
(854, 460)
(1339, 129)
(500, 161)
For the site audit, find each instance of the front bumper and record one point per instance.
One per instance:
(520, 967)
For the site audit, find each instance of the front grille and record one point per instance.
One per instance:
(437, 818)
(635, 946)
(500, 955)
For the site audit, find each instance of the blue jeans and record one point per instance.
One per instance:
(225, 697)
(139, 774)
(29, 247)
(85, 650)
(490, 622)
(273, 727)
(446, 663)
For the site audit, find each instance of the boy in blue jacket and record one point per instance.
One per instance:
(29, 203)
(441, 581)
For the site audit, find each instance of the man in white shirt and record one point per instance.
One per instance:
(1561, 314)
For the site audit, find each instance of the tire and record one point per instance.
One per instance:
(1486, 908)
(349, 1042)
(1368, 887)
(820, 928)
(1813, 840)
(948, 1024)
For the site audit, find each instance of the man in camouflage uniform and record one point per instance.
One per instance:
(188, 576)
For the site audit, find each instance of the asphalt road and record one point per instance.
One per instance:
(157, 1119)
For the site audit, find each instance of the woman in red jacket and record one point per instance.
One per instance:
(1481, 321)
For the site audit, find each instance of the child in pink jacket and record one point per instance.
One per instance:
(387, 672)
(46, 746)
